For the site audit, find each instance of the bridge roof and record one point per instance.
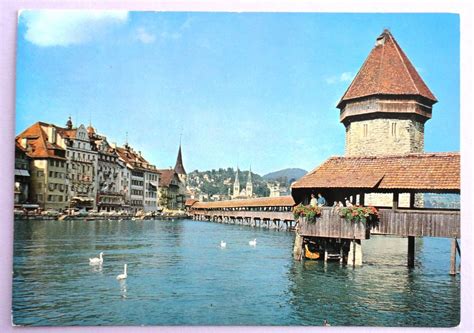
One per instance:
(256, 202)
(424, 172)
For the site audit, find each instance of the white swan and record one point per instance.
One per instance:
(96, 261)
(124, 275)
(223, 244)
(253, 242)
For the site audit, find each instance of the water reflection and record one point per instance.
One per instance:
(123, 288)
(96, 268)
(383, 292)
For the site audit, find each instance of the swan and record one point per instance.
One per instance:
(96, 261)
(124, 275)
(253, 242)
(223, 244)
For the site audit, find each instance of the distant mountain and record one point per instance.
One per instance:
(286, 175)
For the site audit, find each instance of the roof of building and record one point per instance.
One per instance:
(135, 159)
(190, 202)
(38, 145)
(166, 176)
(179, 167)
(428, 171)
(387, 71)
(255, 202)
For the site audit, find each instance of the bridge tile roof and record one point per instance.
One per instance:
(428, 171)
(256, 202)
(387, 71)
(190, 202)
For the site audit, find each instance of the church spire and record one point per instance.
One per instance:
(236, 184)
(179, 168)
(249, 185)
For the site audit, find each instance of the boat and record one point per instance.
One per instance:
(310, 255)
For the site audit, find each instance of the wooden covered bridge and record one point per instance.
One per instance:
(272, 213)
(356, 178)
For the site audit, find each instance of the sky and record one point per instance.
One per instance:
(249, 89)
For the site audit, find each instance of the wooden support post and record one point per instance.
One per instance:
(362, 199)
(452, 270)
(411, 251)
(353, 252)
(412, 200)
(298, 247)
(395, 200)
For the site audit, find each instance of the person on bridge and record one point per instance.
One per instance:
(321, 200)
(313, 202)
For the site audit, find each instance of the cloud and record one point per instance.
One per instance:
(145, 37)
(68, 27)
(344, 77)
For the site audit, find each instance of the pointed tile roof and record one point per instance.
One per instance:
(387, 71)
(179, 168)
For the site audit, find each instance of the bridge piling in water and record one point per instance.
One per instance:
(411, 252)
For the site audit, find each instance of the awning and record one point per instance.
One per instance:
(82, 199)
(21, 172)
(30, 206)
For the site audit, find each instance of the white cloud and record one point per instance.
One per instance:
(344, 77)
(68, 27)
(144, 36)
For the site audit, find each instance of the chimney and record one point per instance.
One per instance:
(52, 134)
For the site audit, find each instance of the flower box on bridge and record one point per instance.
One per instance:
(331, 225)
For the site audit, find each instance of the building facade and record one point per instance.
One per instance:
(144, 180)
(110, 197)
(82, 163)
(22, 175)
(48, 184)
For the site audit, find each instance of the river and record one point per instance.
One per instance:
(179, 275)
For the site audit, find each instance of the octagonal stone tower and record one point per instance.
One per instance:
(386, 105)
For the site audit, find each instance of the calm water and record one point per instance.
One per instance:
(178, 275)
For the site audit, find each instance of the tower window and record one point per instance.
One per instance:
(394, 129)
(366, 130)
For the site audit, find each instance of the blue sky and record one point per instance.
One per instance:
(255, 89)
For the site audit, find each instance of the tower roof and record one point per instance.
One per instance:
(179, 168)
(387, 71)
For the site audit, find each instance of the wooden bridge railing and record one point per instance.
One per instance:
(417, 223)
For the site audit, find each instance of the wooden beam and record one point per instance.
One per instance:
(452, 270)
(395, 200)
(412, 199)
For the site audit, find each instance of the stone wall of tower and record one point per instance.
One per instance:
(384, 136)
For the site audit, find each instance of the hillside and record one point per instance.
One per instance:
(221, 181)
(285, 176)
